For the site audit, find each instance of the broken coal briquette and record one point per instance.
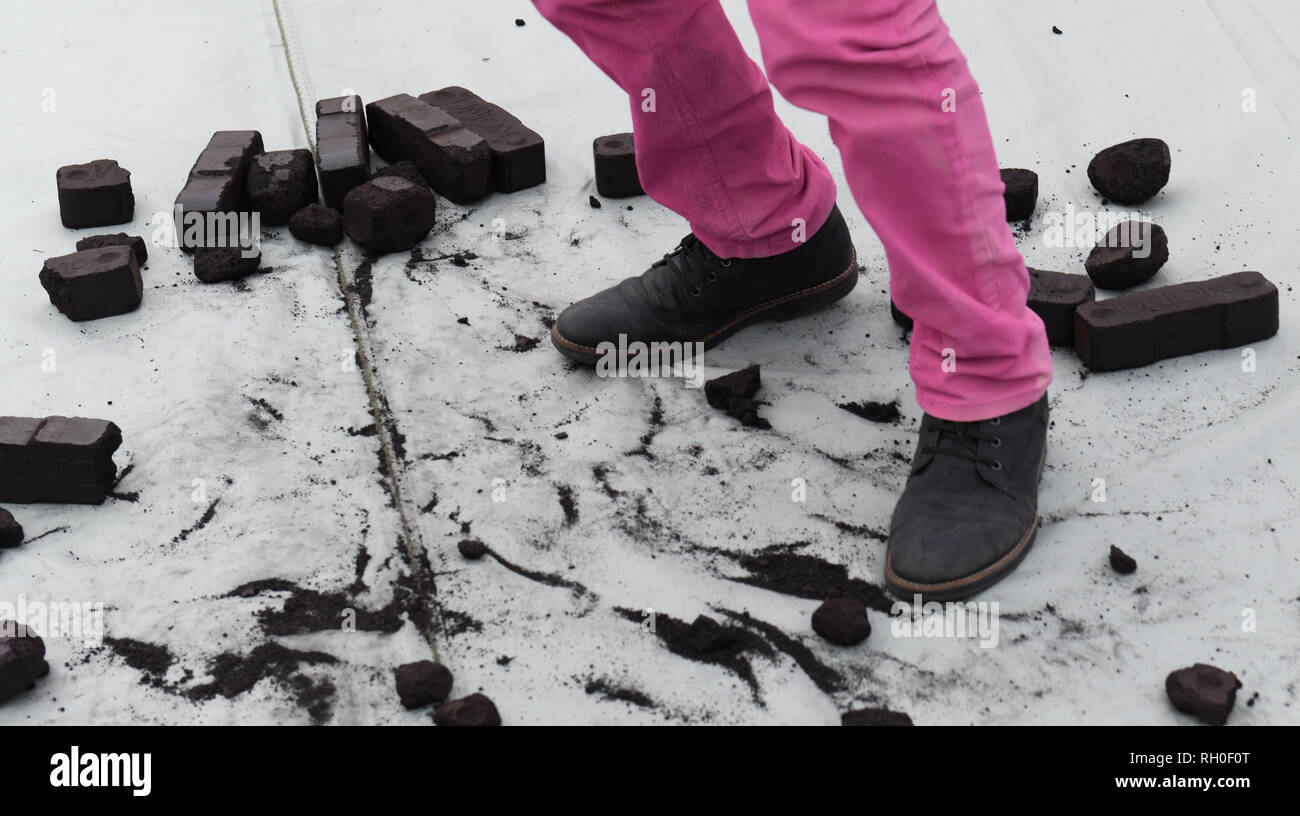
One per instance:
(472, 548)
(1054, 296)
(874, 716)
(422, 682)
(214, 264)
(93, 283)
(734, 393)
(22, 658)
(476, 709)
(11, 532)
(1131, 172)
(1203, 690)
(280, 183)
(95, 194)
(1021, 193)
(455, 160)
(1130, 254)
(616, 174)
(1122, 562)
(317, 224)
(1169, 321)
(388, 214)
(342, 152)
(57, 459)
(117, 239)
(842, 621)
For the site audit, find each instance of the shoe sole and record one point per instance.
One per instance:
(786, 307)
(966, 586)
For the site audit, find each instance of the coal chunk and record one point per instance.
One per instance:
(215, 264)
(22, 658)
(281, 182)
(93, 283)
(472, 548)
(216, 186)
(476, 709)
(342, 150)
(1131, 253)
(1122, 562)
(874, 716)
(117, 239)
(615, 157)
(11, 532)
(1131, 172)
(518, 153)
(388, 214)
(95, 194)
(1203, 690)
(317, 224)
(422, 683)
(1054, 296)
(1169, 321)
(455, 160)
(842, 620)
(67, 460)
(734, 393)
(402, 169)
(1021, 193)
(873, 411)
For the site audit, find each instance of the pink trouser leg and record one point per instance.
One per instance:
(925, 175)
(713, 149)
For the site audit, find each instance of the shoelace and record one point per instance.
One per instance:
(692, 261)
(963, 439)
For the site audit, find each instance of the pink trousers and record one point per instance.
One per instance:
(907, 118)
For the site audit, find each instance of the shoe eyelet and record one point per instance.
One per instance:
(726, 262)
(695, 291)
(997, 464)
(995, 421)
(997, 441)
(712, 276)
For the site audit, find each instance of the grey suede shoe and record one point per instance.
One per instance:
(969, 511)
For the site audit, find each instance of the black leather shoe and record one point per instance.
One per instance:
(692, 295)
(969, 512)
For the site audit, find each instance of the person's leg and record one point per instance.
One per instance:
(907, 117)
(767, 240)
(906, 114)
(712, 149)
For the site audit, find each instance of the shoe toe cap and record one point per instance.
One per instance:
(935, 549)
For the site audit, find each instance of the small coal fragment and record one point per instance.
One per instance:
(842, 620)
(874, 411)
(476, 709)
(1122, 562)
(616, 175)
(455, 160)
(280, 183)
(403, 169)
(1129, 254)
(472, 548)
(94, 194)
(1131, 172)
(594, 202)
(317, 224)
(519, 22)
(216, 189)
(342, 152)
(117, 239)
(874, 716)
(1054, 296)
(422, 683)
(57, 459)
(1203, 690)
(389, 214)
(1169, 321)
(734, 393)
(1021, 194)
(11, 532)
(518, 152)
(899, 318)
(93, 283)
(1056, 30)
(214, 264)
(22, 658)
